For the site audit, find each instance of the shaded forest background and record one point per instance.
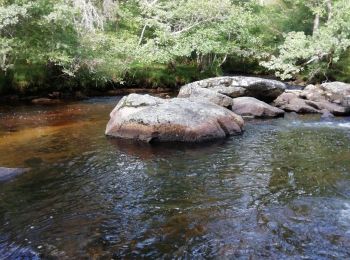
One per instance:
(68, 45)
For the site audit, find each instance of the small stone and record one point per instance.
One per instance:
(326, 114)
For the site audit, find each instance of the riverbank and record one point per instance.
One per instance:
(150, 77)
(56, 98)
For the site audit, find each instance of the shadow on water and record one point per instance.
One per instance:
(146, 151)
(280, 190)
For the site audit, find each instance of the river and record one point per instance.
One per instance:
(281, 190)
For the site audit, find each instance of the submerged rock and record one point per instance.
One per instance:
(16, 251)
(147, 118)
(326, 114)
(240, 86)
(46, 101)
(7, 174)
(249, 106)
(205, 94)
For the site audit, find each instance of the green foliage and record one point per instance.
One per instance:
(160, 75)
(341, 70)
(314, 54)
(75, 43)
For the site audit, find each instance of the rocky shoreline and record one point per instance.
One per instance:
(56, 98)
(215, 108)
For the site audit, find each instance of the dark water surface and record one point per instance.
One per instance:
(281, 190)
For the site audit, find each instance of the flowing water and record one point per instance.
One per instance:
(280, 191)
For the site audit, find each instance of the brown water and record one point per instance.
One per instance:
(281, 190)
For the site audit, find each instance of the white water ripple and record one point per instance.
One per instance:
(322, 124)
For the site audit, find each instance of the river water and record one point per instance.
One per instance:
(280, 191)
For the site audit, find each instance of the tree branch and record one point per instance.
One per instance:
(142, 34)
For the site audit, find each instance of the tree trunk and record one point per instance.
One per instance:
(330, 9)
(316, 23)
(142, 34)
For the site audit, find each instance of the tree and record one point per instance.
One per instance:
(208, 31)
(314, 53)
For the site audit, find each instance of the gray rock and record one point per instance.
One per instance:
(294, 102)
(313, 93)
(291, 102)
(239, 86)
(190, 91)
(291, 116)
(337, 92)
(326, 114)
(10, 173)
(249, 106)
(334, 92)
(332, 108)
(147, 118)
(297, 92)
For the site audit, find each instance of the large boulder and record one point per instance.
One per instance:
(147, 118)
(10, 173)
(249, 106)
(205, 94)
(240, 86)
(337, 92)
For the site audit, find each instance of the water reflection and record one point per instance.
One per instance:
(281, 190)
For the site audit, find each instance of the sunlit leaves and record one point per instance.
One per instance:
(314, 53)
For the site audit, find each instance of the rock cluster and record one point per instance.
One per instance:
(239, 94)
(212, 108)
(331, 98)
